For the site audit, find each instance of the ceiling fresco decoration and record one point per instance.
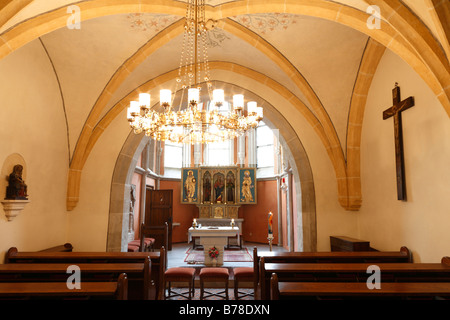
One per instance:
(268, 22)
(152, 22)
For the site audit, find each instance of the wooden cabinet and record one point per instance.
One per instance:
(342, 243)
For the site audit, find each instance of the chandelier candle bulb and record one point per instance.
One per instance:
(144, 100)
(252, 107)
(134, 108)
(260, 113)
(193, 96)
(219, 97)
(238, 101)
(165, 97)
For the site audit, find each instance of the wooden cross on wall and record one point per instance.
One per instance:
(396, 112)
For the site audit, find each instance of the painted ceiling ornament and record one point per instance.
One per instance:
(150, 22)
(267, 22)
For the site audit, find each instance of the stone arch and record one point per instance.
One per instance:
(127, 159)
(296, 155)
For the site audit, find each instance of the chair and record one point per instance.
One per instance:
(243, 274)
(213, 274)
(153, 232)
(133, 248)
(179, 274)
(148, 244)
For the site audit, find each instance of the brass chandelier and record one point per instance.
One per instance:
(193, 122)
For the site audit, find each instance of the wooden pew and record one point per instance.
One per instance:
(67, 247)
(402, 256)
(158, 261)
(359, 290)
(117, 290)
(138, 274)
(352, 272)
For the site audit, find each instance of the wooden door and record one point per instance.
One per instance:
(158, 211)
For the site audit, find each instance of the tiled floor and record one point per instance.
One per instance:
(177, 255)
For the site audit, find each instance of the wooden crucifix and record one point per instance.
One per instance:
(396, 111)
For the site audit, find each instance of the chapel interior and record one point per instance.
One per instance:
(354, 141)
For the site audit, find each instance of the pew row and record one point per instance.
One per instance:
(357, 290)
(117, 290)
(138, 274)
(352, 272)
(404, 255)
(157, 259)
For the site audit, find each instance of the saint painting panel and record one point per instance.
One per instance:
(207, 187)
(190, 181)
(247, 186)
(230, 187)
(219, 188)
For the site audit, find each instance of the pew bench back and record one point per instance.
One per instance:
(59, 290)
(353, 272)
(343, 290)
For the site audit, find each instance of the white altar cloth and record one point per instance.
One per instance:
(213, 237)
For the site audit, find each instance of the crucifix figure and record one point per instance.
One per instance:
(396, 112)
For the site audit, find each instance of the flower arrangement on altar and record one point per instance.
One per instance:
(213, 252)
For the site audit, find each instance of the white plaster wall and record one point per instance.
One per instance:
(88, 222)
(32, 125)
(420, 223)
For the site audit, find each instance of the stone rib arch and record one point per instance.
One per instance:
(369, 64)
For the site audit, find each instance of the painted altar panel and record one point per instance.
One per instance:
(211, 187)
(247, 186)
(190, 185)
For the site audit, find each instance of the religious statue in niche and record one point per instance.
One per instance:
(16, 189)
(207, 187)
(230, 187)
(219, 187)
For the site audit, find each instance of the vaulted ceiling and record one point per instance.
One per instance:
(318, 54)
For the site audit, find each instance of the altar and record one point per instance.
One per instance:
(211, 237)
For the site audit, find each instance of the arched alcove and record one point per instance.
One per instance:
(295, 154)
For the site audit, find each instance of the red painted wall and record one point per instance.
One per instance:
(255, 228)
